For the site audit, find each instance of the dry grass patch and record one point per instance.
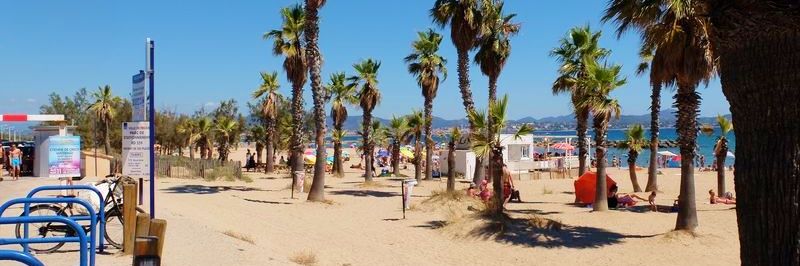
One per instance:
(240, 236)
(305, 258)
(456, 201)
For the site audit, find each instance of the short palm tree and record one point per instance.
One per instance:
(269, 90)
(103, 108)
(455, 135)
(634, 142)
(226, 137)
(314, 60)
(287, 42)
(464, 19)
(721, 152)
(369, 97)
(341, 95)
(426, 64)
(489, 146)
(416, 123)
(257, 134)
(205, 128)
(601, 80)
(675, 32)
(397, 131)
(576, 51)
(189, 128)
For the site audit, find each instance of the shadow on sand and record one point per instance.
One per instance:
(267, 202)
(203, 190)
(366, 193)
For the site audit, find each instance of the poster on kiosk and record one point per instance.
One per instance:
(64, 156)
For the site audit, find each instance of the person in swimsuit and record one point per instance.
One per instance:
(508, 184)
(621, 200)
(728, 199)
(16, 161)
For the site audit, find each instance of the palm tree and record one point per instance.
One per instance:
(369, 97)
(634, 142)
(205, 128)
(318, 93)
(675, 33)
(494, 43)
(655, 110)
(257, 134)
(464, 18)
(755, 44)
(341, 96)
(103, 108)
(397, 131)
(287, 42)
(416, 123)
(269, 89)
(455, 135)
(489, 146)
(601, 80)
(226, 128)
(426, 64)
(576, 51)
(189, 128)
(721, 152)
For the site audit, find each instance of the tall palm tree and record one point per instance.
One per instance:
(755, 44)
(576, 51)
(318, 93)
(226, 128)
(397, 131)
(416, 123)
(287, 42)
(426, 64)
(494, 45)
(269, 90)
(675, 32)
(369, 97)
(103, 108)
(721, 152)
(455, 135)
(655, 110)
(601, 80)
(489, 146)
(634, 142)
(341, 95)
(464, 18)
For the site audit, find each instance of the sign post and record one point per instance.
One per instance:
(152, 115)
(135, 149)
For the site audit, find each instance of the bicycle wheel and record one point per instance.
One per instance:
(114, 225)
(42, 230)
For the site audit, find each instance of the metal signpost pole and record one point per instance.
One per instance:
(152, 118)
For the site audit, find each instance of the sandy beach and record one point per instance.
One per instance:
(257, 223)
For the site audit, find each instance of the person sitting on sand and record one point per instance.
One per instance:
(508, 184)
(486, 193)
(728, 199)
(621, 199)
(472, 192)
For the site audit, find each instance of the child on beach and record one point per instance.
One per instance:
(652, 200)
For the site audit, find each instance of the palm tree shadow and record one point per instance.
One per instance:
(203, 190)
(366, 193)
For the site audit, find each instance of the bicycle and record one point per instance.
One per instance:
(113, 213)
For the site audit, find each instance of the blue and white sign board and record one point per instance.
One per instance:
(136, 149)
(139, 98)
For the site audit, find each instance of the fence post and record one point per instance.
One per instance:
(142, 224)
(129, 217)
(158, 228)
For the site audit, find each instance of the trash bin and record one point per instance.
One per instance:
(408, 187)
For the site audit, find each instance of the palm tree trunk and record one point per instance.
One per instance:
(191, 151)
(632, 155)
(451, 165)
(270, 160)
(367, 145)
(655, 109)
(396, 157)
(582, 117)
(496, 170)
(721, 171)
(338, 169)
(687, 101)
(106, 140)
(492, 89)
(469, 105)
(417, 157)
(296, 146)
(601, 190)
(428, 139)
(317, 192)
(756, 43)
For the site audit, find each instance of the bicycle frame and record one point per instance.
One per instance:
(101, 214)
(27, 201)
(30, 260)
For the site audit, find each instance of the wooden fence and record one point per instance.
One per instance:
(183, 167)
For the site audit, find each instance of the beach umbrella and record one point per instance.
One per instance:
(585, 186)
(405, 152)
(309, 159)
(730, 155)
(667, 153)
(563, 146)
(383, 153)
(310, 152)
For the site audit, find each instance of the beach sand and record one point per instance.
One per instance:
(256, 223)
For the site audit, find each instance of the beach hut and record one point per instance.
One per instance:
(585, 186)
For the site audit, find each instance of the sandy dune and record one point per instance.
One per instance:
(364, 226)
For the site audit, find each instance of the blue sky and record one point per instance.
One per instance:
(207, 51)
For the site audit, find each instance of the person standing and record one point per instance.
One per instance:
(16, 161)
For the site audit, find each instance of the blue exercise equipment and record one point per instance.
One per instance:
(26, 258)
